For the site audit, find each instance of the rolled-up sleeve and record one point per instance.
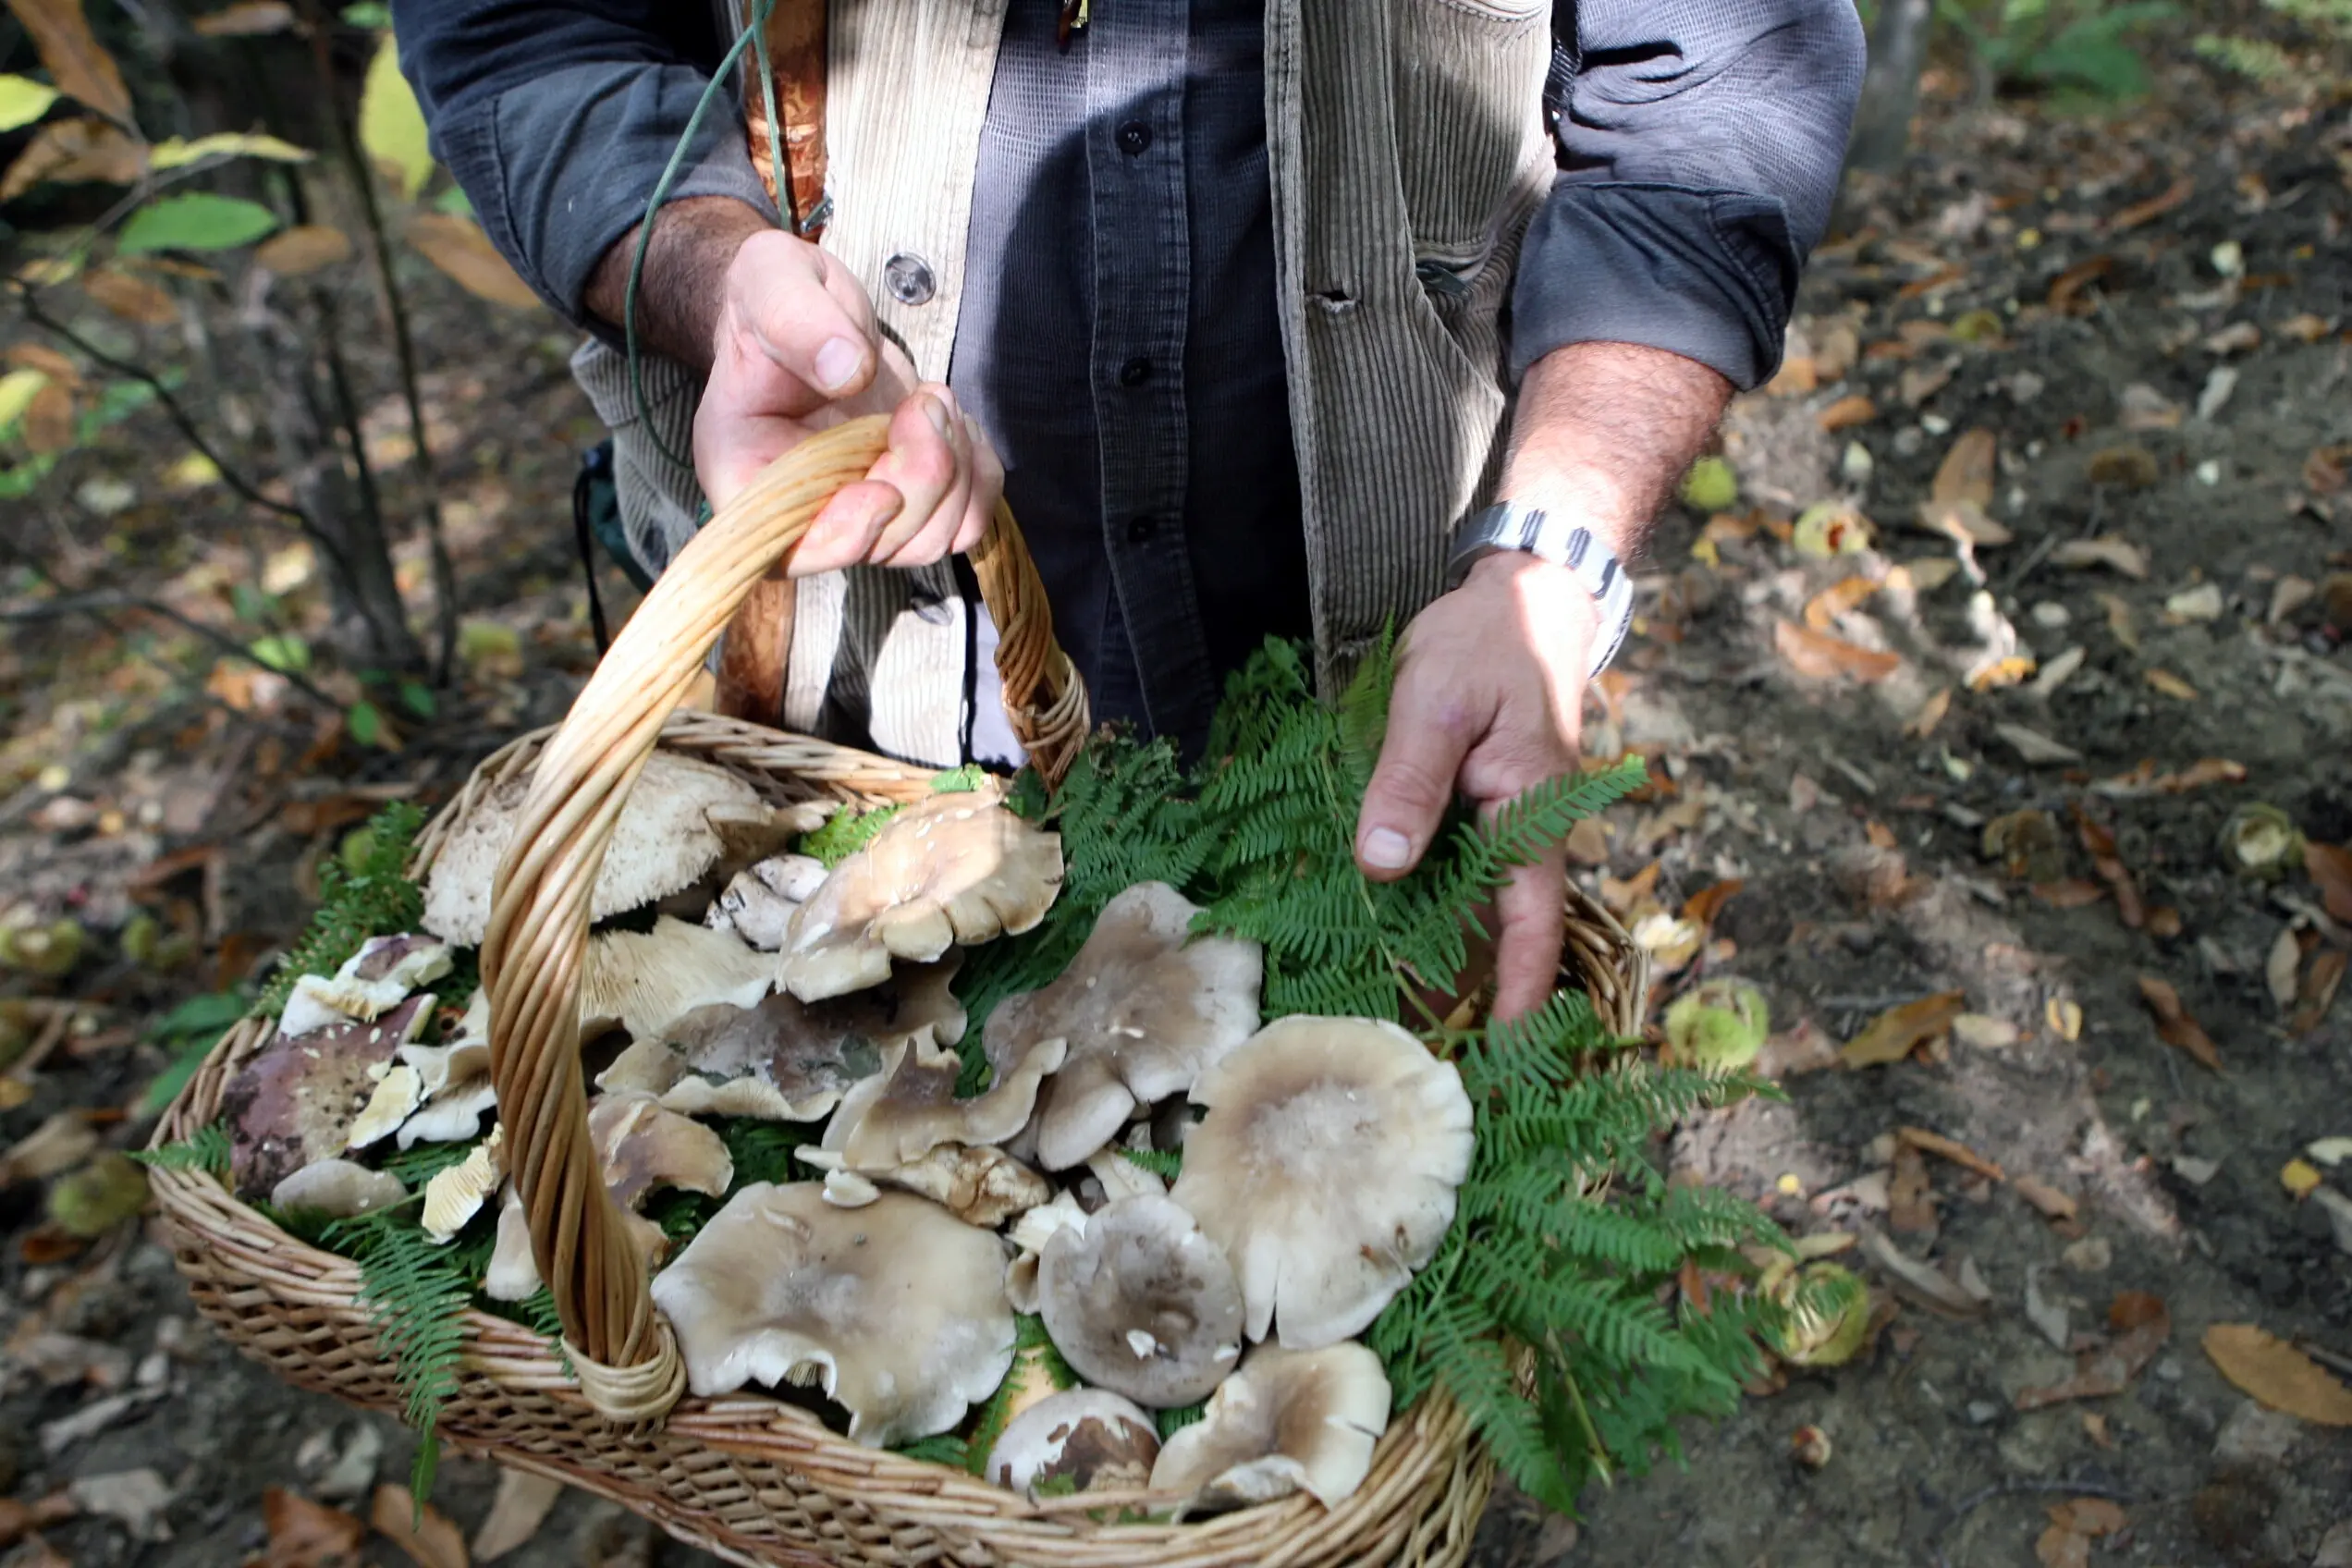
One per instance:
(1699, 148)
(557, 121)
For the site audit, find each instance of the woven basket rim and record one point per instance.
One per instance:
(1613, 968)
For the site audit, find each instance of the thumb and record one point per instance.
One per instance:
(789, 310)
(1413, 783)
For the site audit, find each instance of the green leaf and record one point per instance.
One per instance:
(287, 654)
(454, 202)
(197, 220)
(417, 698)
(365, 723)
(249, 602)
(367, 14)
(391, 126)
(176, 153)
(23, 101)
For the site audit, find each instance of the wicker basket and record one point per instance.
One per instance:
(753, 1479)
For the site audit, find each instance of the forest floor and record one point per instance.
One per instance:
(2100, 630)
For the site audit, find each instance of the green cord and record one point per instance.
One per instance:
(755, 35)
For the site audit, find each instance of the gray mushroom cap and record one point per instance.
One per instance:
(1141, 1303)
(1088, 1438)
(897, 1309)
(1145, 1007)
(949, 870)
(1326, 1168)
(1288, 1421)
(910, 1109)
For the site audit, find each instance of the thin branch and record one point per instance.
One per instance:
(97, 606)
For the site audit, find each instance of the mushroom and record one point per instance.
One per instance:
(1326, 1168)
(785, 1059)
(452, 1116)
(396, 1094)
(1141, 1303)
(342, 1189)
(639, 1146)
(455, 1080)
(950, 869)
(1288, 1421)
(1123, 1178)
(1030, 1230)
(649, 979)
(293, 1104)
(376, 978)
(847, 1189)
(980, 1185)
(455, 1195)
(1145, 1007)
(1088, 1438)
(896, 1309)
(910, 1109)
(680, 819)
(513, 1273)
(759, 902)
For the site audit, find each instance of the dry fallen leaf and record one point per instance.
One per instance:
(1966, 471)
(458, 247)
(2100, 844)
(295, 251)
(2044, 1196)
(1847, 413)
(2065, 1018)
(1923, 723)
(2279, 970)
(133, 298)
(2109, 550)
(1910, 1195)
(1821, 657)
(18, 1517)
(2174, 1025)
(522, 1504)
(2034, 746)
(2330, 868)
(430, 1540)
(1923, 1283)
(1702, 907)
(2142, 1326)
(2172, 685)
(303, 1534)
(1899, 1030)
(2130, 468)
(70, 152)
(1949, 1149)
(1823, 610)
(2301, 1178)
(2278, 1375)
(2072, 892)
(2066, 287)
(2318, 992)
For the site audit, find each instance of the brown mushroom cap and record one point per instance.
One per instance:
(1089, 1437)
(1146, 1008)
(1141, 1303)
(910, 1109)
(947, 870)
(293, 1104)
(896, 1308)
(785, 1059)
(682, 818)
(1326, 1168)
(649, 979)
(1288, 1421)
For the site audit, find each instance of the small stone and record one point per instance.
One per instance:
(2051, 614)
(1983, 1413)
(2253, 1435)
(2335, 1547)
(2090, 1256)
(2194, 1170)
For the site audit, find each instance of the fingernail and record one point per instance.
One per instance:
(936, 411)
(1385, 849)
(838, 363)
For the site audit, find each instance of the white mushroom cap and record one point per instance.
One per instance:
(1141, 1303)
(1030, 1233)
(1088, 1437)
(1288, 1421)
(847, 1189)
(896, 1309)
(759, 902)
(680, 818)
(910, 1109)
(342, 1188)
(1326, 1168)
(1124, 1177)
(649, 979)
(454, 1195)
(372, 981)
(452, 1116)
(785, 1059)
(947, 870)
(1146, 1006)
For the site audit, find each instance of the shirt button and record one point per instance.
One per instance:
(1135, 372)
(908, 278)
(1141, 529)
(1134, 137)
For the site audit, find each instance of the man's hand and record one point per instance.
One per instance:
(789, 340)
(1491, 678)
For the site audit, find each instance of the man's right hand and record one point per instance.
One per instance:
(789, 340)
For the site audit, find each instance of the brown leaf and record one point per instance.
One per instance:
(48, 361)
(424, 1534)
(2111, 550)
(1701, 907)
(2172, 685)
(2026, 844)
(2074, 892)
(1823, 610)
(2317, 991)
(2109, 863)
(2065, 288)
(2330, 868)
(520, 1507)
(133, 298)
(2278, 1375)
(1965, 473)
(1910, 1198)
(2174, 1025)
(2325, 471)
(1899, 1030)
(248, 18)
(77, 63)
(1822, 657)
(303, 1534)
(2044, 1196)
(1952, 1149)
(1847, 413)
(2144, 1327)
(18, 1517)
(458, 247)
(48, 419)
(1923, 723)
(2132, 468)
(2088, 1516)
(2062, 1548)
(71, 151)
(294, 252)
(2155, 207)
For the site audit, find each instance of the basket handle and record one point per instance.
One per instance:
(532, 953)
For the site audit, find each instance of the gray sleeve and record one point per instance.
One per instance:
(560, 166)
(1699, 149)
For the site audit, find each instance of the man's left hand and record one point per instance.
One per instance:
(1489, 695)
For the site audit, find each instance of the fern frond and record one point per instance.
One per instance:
(205, 1149)
(375, 899)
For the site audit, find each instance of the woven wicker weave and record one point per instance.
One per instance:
(753, 1479)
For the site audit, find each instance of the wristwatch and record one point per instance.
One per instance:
(1507, 525)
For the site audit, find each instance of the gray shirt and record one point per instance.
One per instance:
(1118, 339)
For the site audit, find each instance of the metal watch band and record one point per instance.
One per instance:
(1508, 526)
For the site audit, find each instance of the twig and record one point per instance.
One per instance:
(1976, 1499)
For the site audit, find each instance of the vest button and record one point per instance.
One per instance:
(1134, 137)
(1135, 372)
(1141, 529)
(908, 278)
